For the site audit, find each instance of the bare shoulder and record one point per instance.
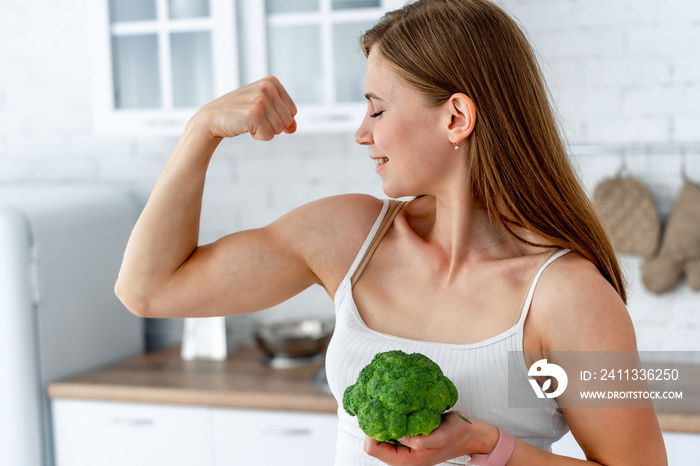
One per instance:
(337, 217)
(348, 208)
(576, 308)
(329, 232)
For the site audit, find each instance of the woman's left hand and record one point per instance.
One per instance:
(453, 438)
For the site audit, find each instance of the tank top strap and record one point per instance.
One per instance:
(531, 292)
(389, 211)
(363, 249)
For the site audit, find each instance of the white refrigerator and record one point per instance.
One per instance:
(60, 250)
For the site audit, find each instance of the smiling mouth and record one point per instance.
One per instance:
(381, 161)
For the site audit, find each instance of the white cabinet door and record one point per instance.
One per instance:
(681, 448)
(262, 438)
(89, 433)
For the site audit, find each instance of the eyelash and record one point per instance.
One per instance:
(375, 115)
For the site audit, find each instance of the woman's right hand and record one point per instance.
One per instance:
(263, 109)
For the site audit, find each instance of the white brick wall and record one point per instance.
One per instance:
(621, 71)
(623, 74)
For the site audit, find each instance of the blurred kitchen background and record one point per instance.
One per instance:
(623, 75)
(95, 92)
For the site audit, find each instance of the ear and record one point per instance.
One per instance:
(462, 111)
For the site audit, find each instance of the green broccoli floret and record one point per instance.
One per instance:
(398, 395)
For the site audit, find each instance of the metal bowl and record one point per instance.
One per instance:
(294, 340)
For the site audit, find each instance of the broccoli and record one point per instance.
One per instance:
(398, 395)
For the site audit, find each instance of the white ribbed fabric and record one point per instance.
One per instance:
(479, 371)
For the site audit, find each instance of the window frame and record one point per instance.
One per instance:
(167, 119)
(231, 23)
(329, 116)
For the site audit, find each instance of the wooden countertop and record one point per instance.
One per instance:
(241, 381)
(671, 416)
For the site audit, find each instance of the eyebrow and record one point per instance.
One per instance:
(371, 95)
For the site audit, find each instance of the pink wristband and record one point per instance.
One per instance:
(500, 454)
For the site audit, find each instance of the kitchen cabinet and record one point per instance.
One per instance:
(108, 433)
(138, 434)
(680, 447)
(111, 433)
(157, 61)
(230, 412)
(244, 437)
(203, 412)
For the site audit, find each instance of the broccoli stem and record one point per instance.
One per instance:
(460, 416)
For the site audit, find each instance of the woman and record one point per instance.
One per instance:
(498, 251)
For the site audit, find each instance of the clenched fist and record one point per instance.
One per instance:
(263, 109)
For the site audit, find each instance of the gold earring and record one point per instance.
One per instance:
(456, 145)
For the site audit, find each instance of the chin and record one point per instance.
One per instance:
(391, 191)
(395, 192)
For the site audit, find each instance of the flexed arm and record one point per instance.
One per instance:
(164, 272)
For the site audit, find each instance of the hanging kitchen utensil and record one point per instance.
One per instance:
(679, 253)
(629, 215)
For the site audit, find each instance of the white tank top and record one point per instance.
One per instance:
(478, 370)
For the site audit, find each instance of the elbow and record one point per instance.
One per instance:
(136, 302)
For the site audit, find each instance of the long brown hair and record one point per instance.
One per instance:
(521, 173)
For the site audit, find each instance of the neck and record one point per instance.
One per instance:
(464, 229)
(461, 232)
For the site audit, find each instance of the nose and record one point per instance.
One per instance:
(363, 135)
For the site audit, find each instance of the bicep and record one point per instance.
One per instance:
(256, 269)
(243, 272)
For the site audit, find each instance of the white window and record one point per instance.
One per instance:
(312, 47)
(162, 59)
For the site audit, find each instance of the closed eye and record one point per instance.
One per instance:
(375, 115)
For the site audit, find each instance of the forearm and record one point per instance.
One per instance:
(455, 438)
(525, 454)
(166, 233)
